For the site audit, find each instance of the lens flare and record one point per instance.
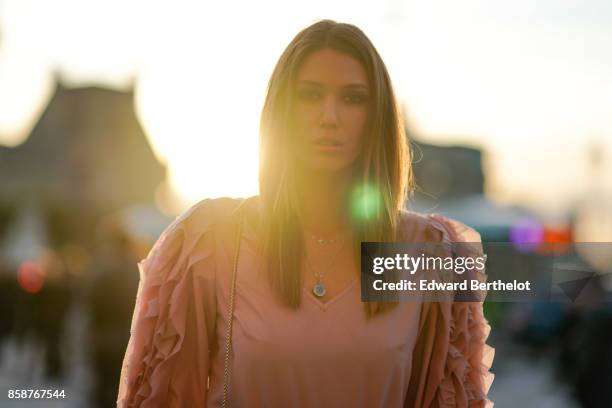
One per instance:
(365, 202)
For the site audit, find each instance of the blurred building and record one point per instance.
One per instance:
(450, 181)
(445, 173)
(86, 156)
(87, 149)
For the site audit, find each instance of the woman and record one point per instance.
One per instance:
(334, 172)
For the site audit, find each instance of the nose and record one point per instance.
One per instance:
(329, 116)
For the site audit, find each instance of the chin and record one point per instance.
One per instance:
(328, 166)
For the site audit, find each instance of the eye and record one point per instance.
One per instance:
(355, 98)
(309, 94)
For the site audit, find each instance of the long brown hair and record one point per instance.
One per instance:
(383, 179)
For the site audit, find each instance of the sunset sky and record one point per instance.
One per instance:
(530, 82)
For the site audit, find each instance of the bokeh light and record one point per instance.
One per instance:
(526, 234)
(31, 277)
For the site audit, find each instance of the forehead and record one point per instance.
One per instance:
(332, 68)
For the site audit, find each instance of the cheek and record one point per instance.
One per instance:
(305, 116)
(356, 122)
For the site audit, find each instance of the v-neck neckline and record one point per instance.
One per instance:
(325, 305)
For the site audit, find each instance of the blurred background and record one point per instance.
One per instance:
(116, 116)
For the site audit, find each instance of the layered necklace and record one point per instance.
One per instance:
(319, 289)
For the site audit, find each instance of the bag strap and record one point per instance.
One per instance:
(230, 313)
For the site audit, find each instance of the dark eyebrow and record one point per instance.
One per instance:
(352, 86)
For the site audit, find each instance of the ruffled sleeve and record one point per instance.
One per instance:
(167, 357)
(451, 359)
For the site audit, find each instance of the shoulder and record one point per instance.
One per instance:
(432, 227)
(204, 217)
(207, 214)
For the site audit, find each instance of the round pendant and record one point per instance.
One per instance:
(318, 289)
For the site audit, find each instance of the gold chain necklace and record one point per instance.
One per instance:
(319, 289)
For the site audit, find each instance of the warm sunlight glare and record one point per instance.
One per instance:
(516, 80)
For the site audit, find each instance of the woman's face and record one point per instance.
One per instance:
(331, 111)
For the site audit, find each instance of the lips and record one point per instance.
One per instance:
(327, 141)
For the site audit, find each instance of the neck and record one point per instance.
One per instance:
(323, 201)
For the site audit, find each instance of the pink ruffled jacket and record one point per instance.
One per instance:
(421, 354)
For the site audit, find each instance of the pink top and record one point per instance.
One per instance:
(421, 354)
